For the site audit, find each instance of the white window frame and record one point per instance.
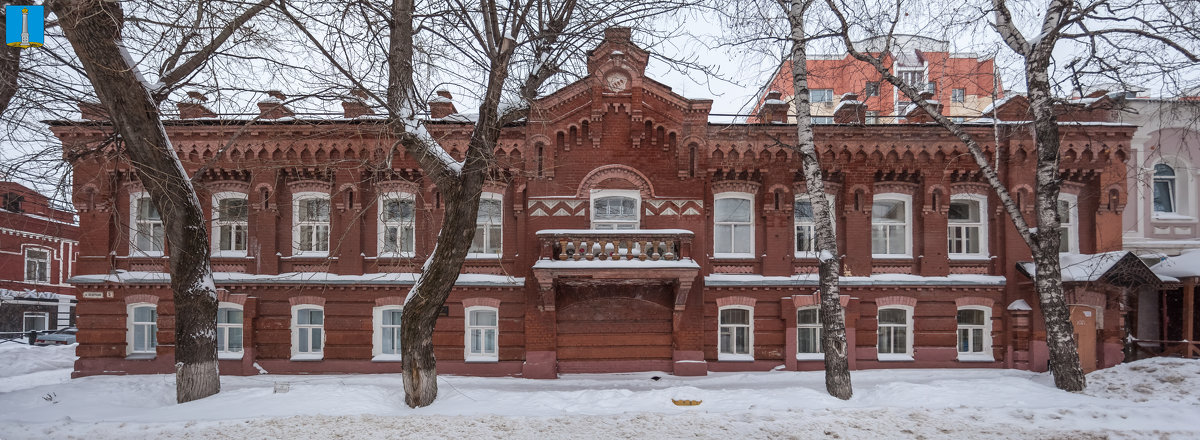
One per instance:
(908, 224)
(796, 225)
(218, 224)
(982, 227)
(41, 264)
(816, 328)
(958, 95)
(223, 351)
(985, 353)
(722, 355)
(1071, 223)
(45, 317)
(297, 199)
(734, 226)
(471, 327)
(135, 227)
(399, 225)
(488, 229)
(813, 95)
(131, 326)
(602, 193)
(378, 330)
(297, 328)
(908, 334)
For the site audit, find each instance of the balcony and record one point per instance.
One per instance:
(613, 246)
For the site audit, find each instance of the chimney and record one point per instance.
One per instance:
(193, 106)
(93, 111)
(442, 105)
(617, 34)
(850, 110)
(273, 108)
(918, 115)
(354, 106)
(774, 109)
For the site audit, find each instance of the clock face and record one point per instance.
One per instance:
(616, 82)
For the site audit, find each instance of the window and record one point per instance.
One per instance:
(735, 336)
(387, 333)
(12, 202)
(872, 117)
(872, 88)
(308, 332)
(895, 333)
(37, 266)
(35, 321)
(229, 331)
(143, 329)
(806, 232)
(958, 95)
(615, 209)
(974, 334)
(230, 220)
(733, 229)
(488, 227)
(890, 217)
(1164, 188)
(397, 225)
(901, 106)
(147, 235)
(482, 329)
(311, 219)
(822, 119)
(808, 334)
(821, 95)
(967, 231)
(1068, 223)
(914, 78)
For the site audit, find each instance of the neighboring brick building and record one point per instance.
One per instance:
(965, 84)
(38, 244)
(621, 231)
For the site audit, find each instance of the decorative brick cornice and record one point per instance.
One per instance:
(397, 186)
(974, 301)
(623, 172)
(234, 298)
(740, 186)
(300, 186)
(736, 301)
(896, 187)
(389, 301)
(307, 299)
(896, 301)
(970, 188)
(481, 302)
(492, 186)
(227, 186)
(815, 299)
(141, 298)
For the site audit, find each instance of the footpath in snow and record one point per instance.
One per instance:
(1152, 399)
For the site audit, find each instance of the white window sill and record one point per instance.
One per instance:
(1171, 217)
(724, 256)
(891, 256)
(230, 355)
(307, 357)
(891, 357)
(481, 256)
(969, 257)
(727, 357)
(298, 254)
(396, 255)
(229, 254)
(386, 358)
(810, 356)
(141, 356)
(962, 357)
(482, 359)
(137, 254)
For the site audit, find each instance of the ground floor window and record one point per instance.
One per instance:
(808, 333)
(36, 321)
(895, 333)
(482, 331)
(143, 329)
(308, 332)
(387, 332)
(229, 331)
(974, 334)
(735, 334)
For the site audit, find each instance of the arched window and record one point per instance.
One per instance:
(615, 209)
(229, 331)
(310, 224)
(387, 333)
(142, 329)
(1164, 188)
(735, 335)
(895, 333)
(891, 220)
(230, 224)
(488, 227)
(975, 333)
(482, 333)
(397, 225)
(966, 234)
(733, 229)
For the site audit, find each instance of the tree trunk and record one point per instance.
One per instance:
(833, 325)
(93, 28)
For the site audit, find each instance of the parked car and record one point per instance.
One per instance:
(64, 336)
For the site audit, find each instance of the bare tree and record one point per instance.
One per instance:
(94, 29)
(1061, 20)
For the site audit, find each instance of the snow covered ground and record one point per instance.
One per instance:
(1158, 398)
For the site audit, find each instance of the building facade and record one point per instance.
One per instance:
(964, 84)
(38, 246)
(620, 231)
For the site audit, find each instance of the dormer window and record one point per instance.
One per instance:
(12, 202)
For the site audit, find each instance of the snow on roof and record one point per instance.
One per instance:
(617, 264)
(774, 102)
(1183, 265)
(845, 103)
(439, 99)
(402, 278)
(997, 103)
(1082, 268)
(884, 279)
(1019, 304)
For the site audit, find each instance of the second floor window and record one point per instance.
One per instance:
(872, 88)
(37, 266)
(914, 78)
(147, 231)
(890, 218)
(965, 234)
(488, 226)
(821, 95)
(733, 229)
(958, 95)
(822, 119)
(397, 220)
(1164, 188)
(311, 224)
(230, 220)
(1068, 224)
(615, 212)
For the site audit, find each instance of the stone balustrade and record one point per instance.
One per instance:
(616, 245)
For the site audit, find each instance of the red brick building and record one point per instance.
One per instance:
(38, 245)
(964, 84)
(620, 231)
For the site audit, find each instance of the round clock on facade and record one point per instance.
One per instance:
(616, 82)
